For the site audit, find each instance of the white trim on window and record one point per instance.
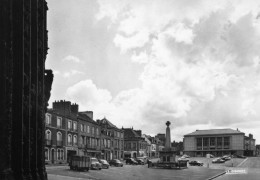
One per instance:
(48, 134)
(59, 122)
(59, 136)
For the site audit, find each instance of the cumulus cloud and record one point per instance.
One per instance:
(72, 73)
(71, 58)
(201, 62)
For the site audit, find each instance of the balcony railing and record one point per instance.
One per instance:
(48, 142)
(59, 143)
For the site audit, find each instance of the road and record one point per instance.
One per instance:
(248, 169)
(133, 172)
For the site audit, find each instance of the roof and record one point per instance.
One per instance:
(130, 133)
(105, 121)
(214, 132)
(85, 117)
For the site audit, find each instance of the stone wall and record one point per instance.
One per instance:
(24, 88)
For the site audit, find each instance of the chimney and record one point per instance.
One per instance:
(251, 136)
(75, 108)
(88, 113)
(62, 107)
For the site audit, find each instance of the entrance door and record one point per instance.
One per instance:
(52, 156)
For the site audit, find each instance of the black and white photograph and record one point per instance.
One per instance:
(130, 90)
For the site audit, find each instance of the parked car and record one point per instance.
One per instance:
(104, 163)
(140, 161)
(210, 155)
(196, 163)
(95, 164)
(116, 162)
(144, 158)
(183, 159)
(186, 156)
(131, 161)
(218, 160)
(238, 156)
(226, 158)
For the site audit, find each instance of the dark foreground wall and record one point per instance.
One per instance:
(24, 88)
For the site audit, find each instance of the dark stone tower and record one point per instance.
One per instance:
(24, 89)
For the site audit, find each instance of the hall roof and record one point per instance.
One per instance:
(214, 132)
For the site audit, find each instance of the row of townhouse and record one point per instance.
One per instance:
(70, 132)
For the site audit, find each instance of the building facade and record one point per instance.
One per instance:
(214, 141)
(89, 133)
(112, 140)
(135, 144)
(61, 132)
(250, 146)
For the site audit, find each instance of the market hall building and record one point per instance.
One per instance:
(215, 141)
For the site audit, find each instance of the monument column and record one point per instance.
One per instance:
(168, 136)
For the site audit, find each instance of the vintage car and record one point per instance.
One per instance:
(104, 163)
(218, 160)
(116, 162)
(195, 163)
(95, 164)
(131, 161)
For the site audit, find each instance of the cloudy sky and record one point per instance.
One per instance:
(141, 63)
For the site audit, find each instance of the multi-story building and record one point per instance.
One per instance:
(250, 148)
(112, 140)
(214, 141)
(135, 144)
(155, 143)
(257, 150)
(218, 142)
(89, 135)
(178, 147)
(162, 138)
(61, 132)
(148, 147)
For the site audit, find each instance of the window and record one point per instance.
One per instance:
(108, 143)
(93, 130)
(88, 130)
(226, 142)
(212, 141)
(134, 146)
(81, 128)
(122, 135)
(199, 143)
(59, 122)
(59, 136)
(85, 128)
(205, 142)
(69, 139)
(48, 134)
(75, 140)
(97, 132)
(69, 125)
(47, 157)
(81, 140)
(62, 154)
(48, 119)
(219, 142)
(74, 126)
(58, 154)
(118, 134)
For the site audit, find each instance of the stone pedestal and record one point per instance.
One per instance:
(24, 89)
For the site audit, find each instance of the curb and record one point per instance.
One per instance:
(220, 174)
